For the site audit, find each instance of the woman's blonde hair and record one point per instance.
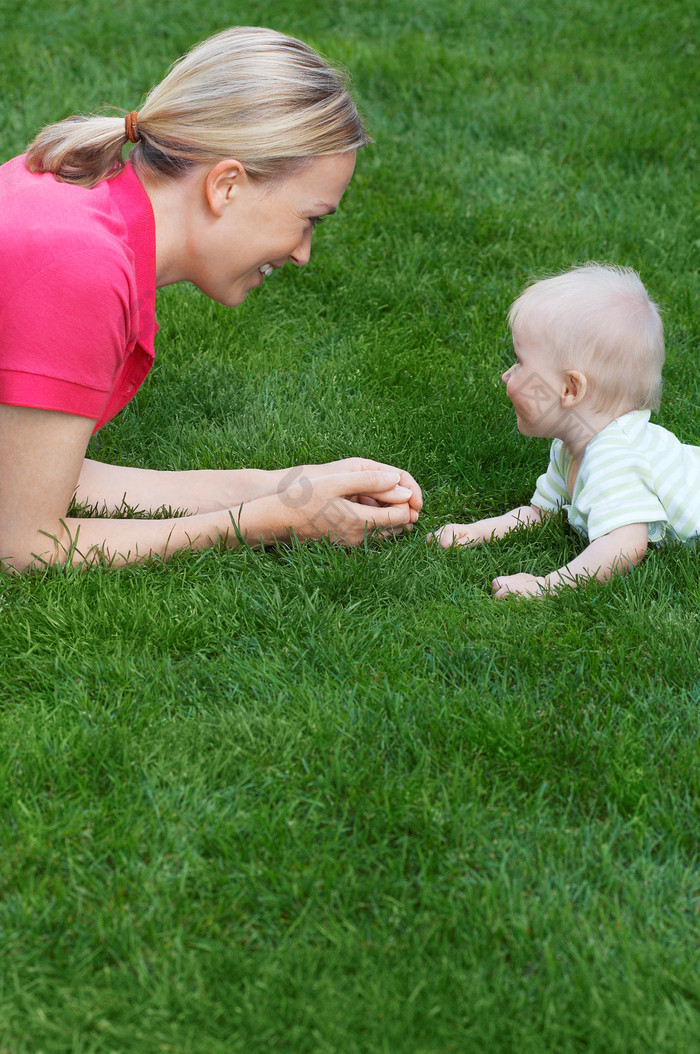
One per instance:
(259, 96)
(599, 319)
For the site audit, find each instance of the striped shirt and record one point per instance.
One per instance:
(632, 472)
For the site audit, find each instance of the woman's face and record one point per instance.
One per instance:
(251, 229)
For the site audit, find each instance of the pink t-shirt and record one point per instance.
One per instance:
(77, 292)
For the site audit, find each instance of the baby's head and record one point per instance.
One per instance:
(599, 319)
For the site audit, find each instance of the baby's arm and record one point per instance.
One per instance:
(613, 553)
(488, 529)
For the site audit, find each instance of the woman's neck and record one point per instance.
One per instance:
(173, 202)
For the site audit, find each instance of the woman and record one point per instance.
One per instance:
(242, 149)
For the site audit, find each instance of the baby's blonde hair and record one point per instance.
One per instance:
(253, 94)
(599, 319)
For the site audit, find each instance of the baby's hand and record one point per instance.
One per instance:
(522, 585)
(457, 534)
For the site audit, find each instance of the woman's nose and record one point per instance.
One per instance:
(302, 253)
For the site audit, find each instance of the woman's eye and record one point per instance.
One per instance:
(315, 220)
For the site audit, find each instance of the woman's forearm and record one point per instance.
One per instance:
(112, 488)
(120, 542)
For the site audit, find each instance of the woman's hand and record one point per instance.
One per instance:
(361, 464)
(341, 505)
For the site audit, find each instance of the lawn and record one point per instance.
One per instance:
(322, 801)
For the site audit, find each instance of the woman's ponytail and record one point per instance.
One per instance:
(83, 150)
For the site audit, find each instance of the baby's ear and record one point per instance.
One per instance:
(574, 389)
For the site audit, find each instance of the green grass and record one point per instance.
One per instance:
(340, 802)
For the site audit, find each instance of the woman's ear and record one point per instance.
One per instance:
(223, 183)
(574, 389)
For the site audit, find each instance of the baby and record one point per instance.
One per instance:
(589, 349)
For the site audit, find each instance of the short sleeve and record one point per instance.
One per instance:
(616, 489)
(551, 492)
(65, 333)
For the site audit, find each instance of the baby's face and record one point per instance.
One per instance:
(534, 383)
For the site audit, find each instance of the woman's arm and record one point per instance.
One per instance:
(41, 453)
(613, 553)
(41, 460)
(110, 488)
(115, 488)
(321, 509)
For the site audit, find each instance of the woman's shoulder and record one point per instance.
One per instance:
(55, 228)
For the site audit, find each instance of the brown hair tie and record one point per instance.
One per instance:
(131, 127)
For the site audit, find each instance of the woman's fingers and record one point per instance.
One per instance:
(406, 482)
(398, 495)
(383, 485)
(395, 496)
(405, 479)
(352, 518)
(350, 523)
(328, 506)
(392, 532)
(364, 499)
